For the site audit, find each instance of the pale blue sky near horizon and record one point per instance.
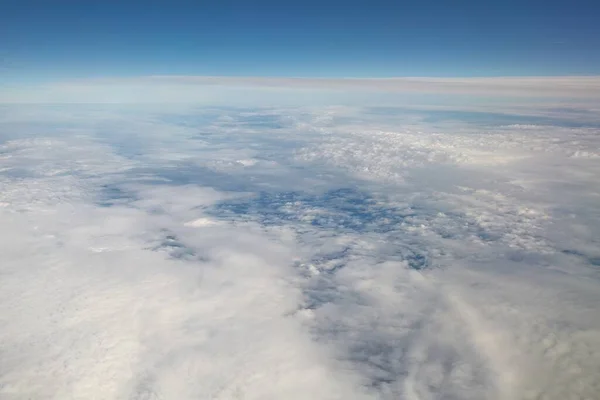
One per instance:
(61, 40)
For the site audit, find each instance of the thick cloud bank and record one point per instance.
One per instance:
(332, 253)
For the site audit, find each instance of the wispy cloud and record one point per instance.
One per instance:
(181, 89)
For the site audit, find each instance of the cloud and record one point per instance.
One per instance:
(519, 86)
(219, 90)
(104, 302)
(337, 252)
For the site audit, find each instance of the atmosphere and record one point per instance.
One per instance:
(316, 200)
(52, 40)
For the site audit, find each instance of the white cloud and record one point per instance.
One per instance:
(295, 253)
(93, 307)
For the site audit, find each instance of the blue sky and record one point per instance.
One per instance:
(47, 41)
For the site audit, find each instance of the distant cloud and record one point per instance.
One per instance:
(182, 89)
(519, 86)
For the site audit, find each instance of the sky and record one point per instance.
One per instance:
(45, 41)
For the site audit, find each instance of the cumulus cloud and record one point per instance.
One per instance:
(128, 301)
(341, 252)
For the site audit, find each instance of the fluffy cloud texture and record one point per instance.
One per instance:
(332, 253)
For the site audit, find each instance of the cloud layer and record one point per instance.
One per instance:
(222, 90)
(339, 252)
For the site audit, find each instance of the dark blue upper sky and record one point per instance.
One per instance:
(47, 40)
